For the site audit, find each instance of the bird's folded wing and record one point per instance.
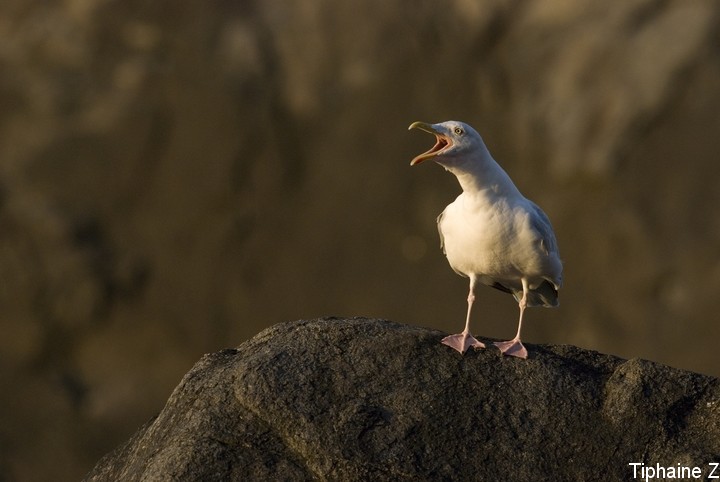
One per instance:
(540, 223)
(439, 228)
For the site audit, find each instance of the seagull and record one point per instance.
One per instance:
(491, 233)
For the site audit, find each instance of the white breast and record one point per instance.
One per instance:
(493, 240)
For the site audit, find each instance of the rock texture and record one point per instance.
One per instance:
(363, 399)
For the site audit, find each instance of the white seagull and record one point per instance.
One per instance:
(491, 233)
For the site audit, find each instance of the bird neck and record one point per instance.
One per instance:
(486, 177)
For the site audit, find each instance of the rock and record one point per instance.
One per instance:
(366, 399)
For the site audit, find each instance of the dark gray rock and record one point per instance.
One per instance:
(364, 399)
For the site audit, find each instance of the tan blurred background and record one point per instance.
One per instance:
(177, 176)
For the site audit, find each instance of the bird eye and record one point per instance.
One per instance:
(458, 131)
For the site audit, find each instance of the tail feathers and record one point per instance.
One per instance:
(544, 295)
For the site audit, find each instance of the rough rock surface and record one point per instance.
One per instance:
(364, 399)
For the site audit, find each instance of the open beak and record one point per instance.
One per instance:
(442, 142)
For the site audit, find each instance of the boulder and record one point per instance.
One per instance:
(367, 399)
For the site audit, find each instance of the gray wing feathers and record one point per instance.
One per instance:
(442, 238)
(541, 224)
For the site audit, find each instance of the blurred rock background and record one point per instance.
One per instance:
(174, 177)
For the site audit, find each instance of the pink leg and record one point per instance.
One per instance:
(515, 347)
(463, 341)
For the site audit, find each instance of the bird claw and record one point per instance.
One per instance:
(512, 348)
(462, 342)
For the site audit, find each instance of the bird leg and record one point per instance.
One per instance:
(462, 341)
(515, 347)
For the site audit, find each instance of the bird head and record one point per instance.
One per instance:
(454, 141)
